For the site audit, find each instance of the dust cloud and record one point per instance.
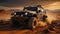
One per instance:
(5, 15)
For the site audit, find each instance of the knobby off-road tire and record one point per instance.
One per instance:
(32, 23)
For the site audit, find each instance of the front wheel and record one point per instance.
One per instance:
(32, 23)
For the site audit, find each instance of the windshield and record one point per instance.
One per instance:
(31, 8)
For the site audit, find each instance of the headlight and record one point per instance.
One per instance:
(21, 15)
(14, 13)
(26, 13)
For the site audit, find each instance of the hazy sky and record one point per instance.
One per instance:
(50, 4)
(16, 3)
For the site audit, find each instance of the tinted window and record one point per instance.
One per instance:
(19, 13)
(31, 8)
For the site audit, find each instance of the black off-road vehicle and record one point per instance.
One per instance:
(29, 17)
